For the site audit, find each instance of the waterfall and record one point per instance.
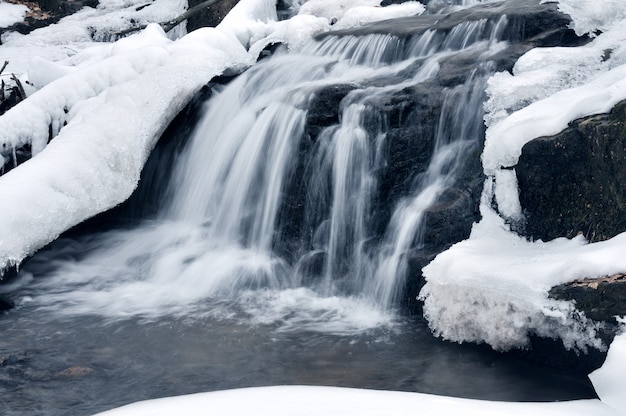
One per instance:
(267, 198)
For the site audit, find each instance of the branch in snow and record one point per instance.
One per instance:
(171, 24)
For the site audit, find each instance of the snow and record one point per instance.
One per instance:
(114, 115)
(610, 379)
(350, 13)
(365, 14)
(67, 41)
(493, 287)
(11, 13)
(593, 16)
(330, 401)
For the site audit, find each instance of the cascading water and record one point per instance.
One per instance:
(222, 232)
(297, 216)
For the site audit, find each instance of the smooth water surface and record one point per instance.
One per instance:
(82, 365)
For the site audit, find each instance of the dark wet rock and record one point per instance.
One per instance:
(75, 372)
(550, 353)
(6, 303)
(324, 109)
(527, 19)
(211, 16)
(573, 182)
(528, 25)
(600, 299)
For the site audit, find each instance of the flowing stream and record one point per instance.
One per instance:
(267, 262)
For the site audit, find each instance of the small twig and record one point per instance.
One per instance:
(4, 66)
(20, 88)
(171, 24)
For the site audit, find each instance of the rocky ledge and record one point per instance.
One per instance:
(574, 183)
(601, 299)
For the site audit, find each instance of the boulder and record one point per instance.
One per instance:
(573, 182)
(6, 304)
(600, 299)
(528, 21)
(210, 16)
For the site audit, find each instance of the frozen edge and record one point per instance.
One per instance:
(608, 381)
(315, 401)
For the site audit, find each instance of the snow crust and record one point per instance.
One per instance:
(11, 13)
(610, 379)
(67, 41)
(330, 401)
(350, 13)
(106, 112)
(593, 16)
(493, 287)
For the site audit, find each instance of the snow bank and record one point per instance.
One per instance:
(11, 13)
(318, 16)
(67, 40)
(493, 287)
(610, 379)
(115, 110)
(593, 16)
(115, 114)
(330, 401)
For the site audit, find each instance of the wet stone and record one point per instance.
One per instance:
(75, 372)
(573, 182)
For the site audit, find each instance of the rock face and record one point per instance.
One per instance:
(211, 16)
(600, 299)
(573, 182)
(411, 120)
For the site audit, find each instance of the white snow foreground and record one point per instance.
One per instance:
(609, 382)
(336, 401)
(494, 286)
